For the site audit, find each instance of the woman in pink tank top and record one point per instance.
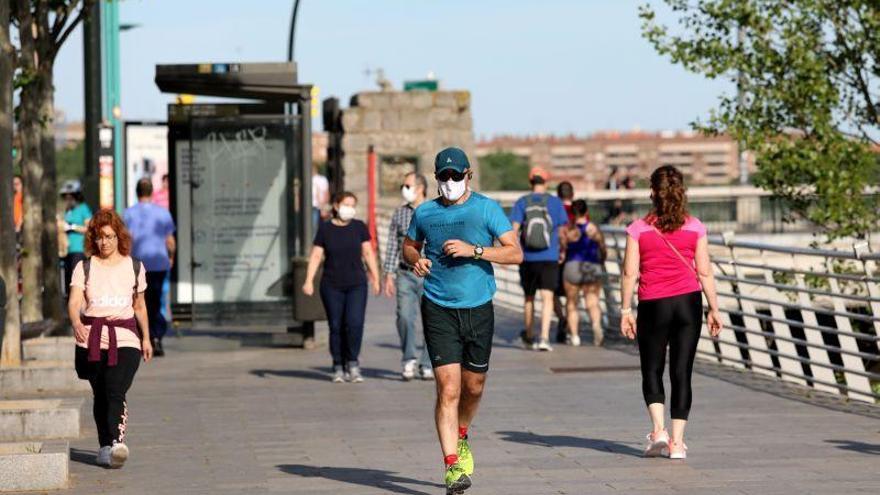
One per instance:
(668, 253)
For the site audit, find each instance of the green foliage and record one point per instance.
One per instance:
(503, 171)
(71, 162)
(808, 104)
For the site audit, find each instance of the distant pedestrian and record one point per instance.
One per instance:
(537, 218)
(615, 179)
(452, 244)
(76, 218)
(565, 193)
(152, 231)
(402, 282)
(161, 197)
(344, 245)
(109, 317)
(667, 251)
(17, 203)
(583, 272)
(320, 196)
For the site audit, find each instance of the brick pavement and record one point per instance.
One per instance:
(261, 420)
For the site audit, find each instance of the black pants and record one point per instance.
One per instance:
(153, 297)
(674, 322)
(346, 310)
(109, 386)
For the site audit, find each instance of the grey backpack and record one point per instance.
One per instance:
(537, 226)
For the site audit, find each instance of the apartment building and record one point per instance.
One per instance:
(588, 161)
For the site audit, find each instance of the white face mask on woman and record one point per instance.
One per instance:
(346, 212)
(452, 190)
(408, 193)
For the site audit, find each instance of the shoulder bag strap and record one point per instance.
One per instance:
(677, 252)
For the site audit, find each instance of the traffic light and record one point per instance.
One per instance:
(332, 117)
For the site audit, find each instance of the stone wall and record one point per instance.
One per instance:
(410, 125)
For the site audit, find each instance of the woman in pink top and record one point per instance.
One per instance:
(669, 254)
(107, 307)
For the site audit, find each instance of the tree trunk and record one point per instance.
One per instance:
(10, 329)
(31, 171)
(52, 299)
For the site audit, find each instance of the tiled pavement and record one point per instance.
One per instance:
(262, 420)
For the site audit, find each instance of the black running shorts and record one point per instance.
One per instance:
(538, 275)
(459, 335)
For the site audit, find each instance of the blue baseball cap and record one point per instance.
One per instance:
(453, 158)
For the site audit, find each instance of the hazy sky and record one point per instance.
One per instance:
(549, 66)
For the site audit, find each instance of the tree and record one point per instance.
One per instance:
(43, 26)
(10, 340)
(504, 171)
(808, 104)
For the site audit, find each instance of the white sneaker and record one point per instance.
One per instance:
(355, 375)
(426, 374)
(677, 450)
(338, 375)
(658, 444)
(575, 341)
(103, 457)
(118, 455)
(543, 345)
(409, 370)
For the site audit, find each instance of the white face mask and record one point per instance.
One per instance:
(409, 193)
(346, 212)
(452, 190)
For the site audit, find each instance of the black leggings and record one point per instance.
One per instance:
(109, 386)
(674, 321)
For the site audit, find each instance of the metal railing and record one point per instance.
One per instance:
(802, 315)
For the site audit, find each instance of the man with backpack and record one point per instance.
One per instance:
(536, 219)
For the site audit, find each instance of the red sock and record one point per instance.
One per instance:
(462, 431)
(450, 459)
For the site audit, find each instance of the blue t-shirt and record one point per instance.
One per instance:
(78, 215)
(557, 215)
(149, 225)
(458, 282)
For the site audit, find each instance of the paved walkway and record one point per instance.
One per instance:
(258, 420)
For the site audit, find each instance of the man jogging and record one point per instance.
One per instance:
(458, 231)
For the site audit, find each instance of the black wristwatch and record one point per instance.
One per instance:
(478, 252)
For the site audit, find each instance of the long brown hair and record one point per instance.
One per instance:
(670, 210)
(100, 220)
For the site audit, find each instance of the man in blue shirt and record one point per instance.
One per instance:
(152, 233)
(536, 218)
(457, 232)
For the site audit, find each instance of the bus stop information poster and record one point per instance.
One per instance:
(236, 210)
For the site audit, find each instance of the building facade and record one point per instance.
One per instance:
(587, 162)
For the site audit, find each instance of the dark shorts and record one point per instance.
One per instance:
(462, 336)
(538, 275)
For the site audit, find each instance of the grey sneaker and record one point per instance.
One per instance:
(103, 457)
(338, 374)
(118, 455)
(355, 375)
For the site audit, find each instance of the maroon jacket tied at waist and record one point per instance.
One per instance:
(97, 324)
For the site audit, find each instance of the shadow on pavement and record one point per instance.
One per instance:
(83, 456)
(385, 480)
(854, 446)
(323, 374)
(569, 441)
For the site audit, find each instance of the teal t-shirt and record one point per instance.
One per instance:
(459, 282)
(78, 215)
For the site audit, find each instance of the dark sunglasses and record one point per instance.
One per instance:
(445, 175)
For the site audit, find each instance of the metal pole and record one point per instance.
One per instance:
(92, 86)
(305, 175)
(290, 36)
(112, 97)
